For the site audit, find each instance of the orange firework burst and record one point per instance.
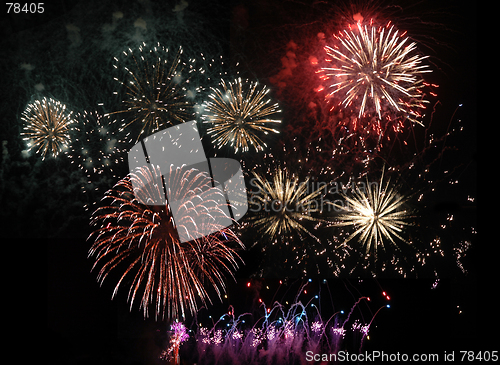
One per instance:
(144, 240)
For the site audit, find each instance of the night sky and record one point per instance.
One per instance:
(66, 53)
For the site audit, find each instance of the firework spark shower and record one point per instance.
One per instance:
(157, 88)
(172, 275)
(354, 127)
(281, 333)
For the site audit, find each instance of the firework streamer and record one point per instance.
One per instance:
(283, 334)
(169, 274)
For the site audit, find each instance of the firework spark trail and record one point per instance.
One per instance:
(377, 70)
(158, 92)
(96, 149)
(238, 114)
(169, 274)
(47, 126)
(179, 335)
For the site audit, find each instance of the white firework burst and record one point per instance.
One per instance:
(376, 68)
(377, 214)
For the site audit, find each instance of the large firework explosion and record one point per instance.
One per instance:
(372, 82)
(378, 214)
(376, 69)
(157, 89)
(169, 274)
(240, 115)
(283, 205)
(47, 127)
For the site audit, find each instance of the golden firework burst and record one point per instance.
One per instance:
(47, 126)
(239, 114)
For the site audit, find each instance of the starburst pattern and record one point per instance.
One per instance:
(377, 214)
(283, 205)
(47, 126)
(158, 92)
(239, 113)
(144, 240)
(376, 69)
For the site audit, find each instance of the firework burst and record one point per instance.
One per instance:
(143, 239)
(47, 126)
(377, 71)
(157, 87)
(283, 205)
(239, 114)
(378, 215)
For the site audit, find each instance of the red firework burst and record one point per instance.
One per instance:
(144, 241)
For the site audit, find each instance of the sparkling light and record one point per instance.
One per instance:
(375, 69)
(47, 126)
(239, 114)
(179, 335)
(283, 204)
(377, 215)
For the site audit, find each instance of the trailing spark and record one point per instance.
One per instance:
(144, 241)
